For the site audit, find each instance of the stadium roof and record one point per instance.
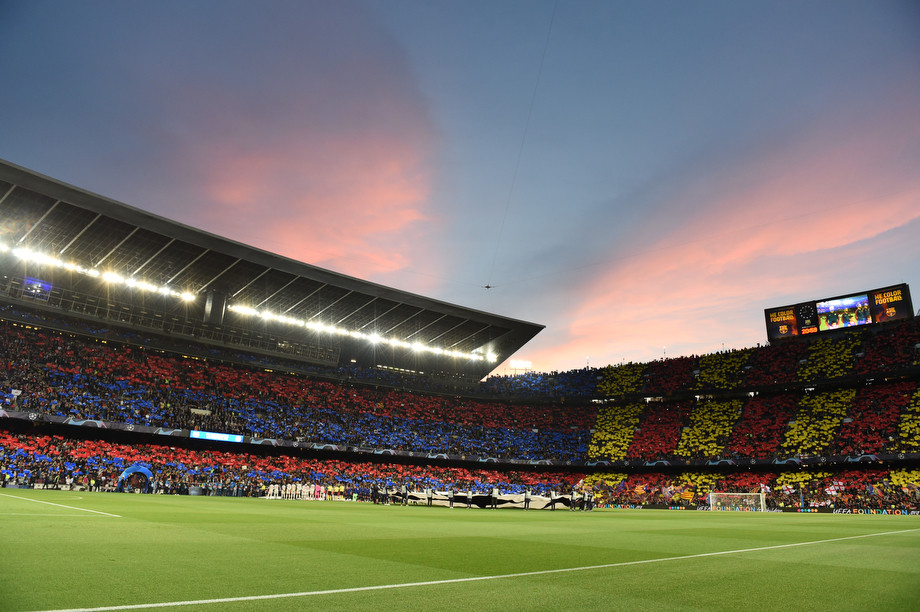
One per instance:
(69, 249)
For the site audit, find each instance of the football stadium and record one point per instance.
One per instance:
(188, 421)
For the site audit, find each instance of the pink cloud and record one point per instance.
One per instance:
(349, 204)
(310, 138)
(795, 219)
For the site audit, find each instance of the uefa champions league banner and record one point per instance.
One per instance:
(41, 417)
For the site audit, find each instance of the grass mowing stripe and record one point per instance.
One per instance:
(381, 587)
(38, 501)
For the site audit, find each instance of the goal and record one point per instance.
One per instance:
(744, 502)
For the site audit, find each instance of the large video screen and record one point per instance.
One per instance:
(865, 308)
(843, 312)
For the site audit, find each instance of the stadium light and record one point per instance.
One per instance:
(29, 256)
(373, 338)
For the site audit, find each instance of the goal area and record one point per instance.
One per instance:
(738, 502)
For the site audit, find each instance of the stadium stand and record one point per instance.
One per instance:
(57, 462)
(763, 423)
(96, 378)
(86, 378)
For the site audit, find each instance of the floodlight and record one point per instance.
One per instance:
(373, 338)
(109, 276)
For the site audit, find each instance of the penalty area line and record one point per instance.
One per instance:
(404, 585)
(38, 501)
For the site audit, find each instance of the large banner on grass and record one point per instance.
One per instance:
(484, 500)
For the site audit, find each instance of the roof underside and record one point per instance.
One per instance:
(52, 218)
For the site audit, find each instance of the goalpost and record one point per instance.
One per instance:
(744, 502)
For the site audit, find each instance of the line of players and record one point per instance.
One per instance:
(299, 490)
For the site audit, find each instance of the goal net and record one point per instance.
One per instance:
(744, 502)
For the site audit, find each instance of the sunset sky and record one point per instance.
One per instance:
(644, 178)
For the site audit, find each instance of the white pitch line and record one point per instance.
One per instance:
(60, 505)
(58, 514)
(403, 585)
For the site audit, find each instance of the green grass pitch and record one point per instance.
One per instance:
(70, 550)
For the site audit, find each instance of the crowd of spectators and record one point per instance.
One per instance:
(817, 423)
(909, 426)
(722, 371)
(872, 421)
(889, 350)
(59, 462)
(71, 376)
(897, 489)
(614, 431)
(571, 385)
(775, 364)
(666, 376)
(56, 461)
(873, 488)
(622, 380)
(830, 357)
(659, 431)
(761, 427)
(864, 351)
(84, 377)
(711, 425)
(878, 419)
